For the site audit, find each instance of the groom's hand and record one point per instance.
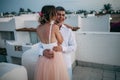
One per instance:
(57, 48)
(48, 53)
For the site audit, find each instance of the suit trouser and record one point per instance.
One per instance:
(70, 73)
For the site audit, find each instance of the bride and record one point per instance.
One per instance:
(50, 36)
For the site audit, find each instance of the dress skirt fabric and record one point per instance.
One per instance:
(51, 69)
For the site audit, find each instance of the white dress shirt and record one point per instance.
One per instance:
(68, 45)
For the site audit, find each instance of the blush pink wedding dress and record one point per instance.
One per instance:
(51, 69)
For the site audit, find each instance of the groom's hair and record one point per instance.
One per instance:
(60, 8)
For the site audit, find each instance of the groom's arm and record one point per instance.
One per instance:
(45, 52)
(72, 28)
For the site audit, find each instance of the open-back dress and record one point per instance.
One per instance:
(51, 69)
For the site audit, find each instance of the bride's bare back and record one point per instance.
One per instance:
(43, 32)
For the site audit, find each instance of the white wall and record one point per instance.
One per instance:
(22, 37)
(31, 24)
(7, 24)
(72, 20)
(89, 23)
(13, 23)
(94, 23)
(24, 20)
(14, 55)
(98, 47)
(2, 45)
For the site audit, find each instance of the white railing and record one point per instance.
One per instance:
(98, 47)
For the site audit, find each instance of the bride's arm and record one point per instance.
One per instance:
(58, 35)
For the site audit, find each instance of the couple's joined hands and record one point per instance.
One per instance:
(50, 53)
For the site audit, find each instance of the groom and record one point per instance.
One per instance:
(69, 44)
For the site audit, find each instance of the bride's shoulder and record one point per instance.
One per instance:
(55, 26)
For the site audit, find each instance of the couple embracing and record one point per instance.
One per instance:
(57, 43)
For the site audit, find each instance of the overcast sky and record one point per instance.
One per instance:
(73, 5)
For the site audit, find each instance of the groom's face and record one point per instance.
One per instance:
(60, 16)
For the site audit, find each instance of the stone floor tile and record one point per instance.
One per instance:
(117, 78)
(108, 79)
(109, 74)
(118, 75)
(87, 73)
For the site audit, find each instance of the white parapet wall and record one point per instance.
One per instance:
(72, 19)
(89, 23)
(7, 24)
(98, 47)
(26, 20)
(94, 23)
(15, 50)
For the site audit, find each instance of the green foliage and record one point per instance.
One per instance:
(28, 10)
(21, 10)
(81, 11)
(107, 8)
(14, 13)
(68, 12)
